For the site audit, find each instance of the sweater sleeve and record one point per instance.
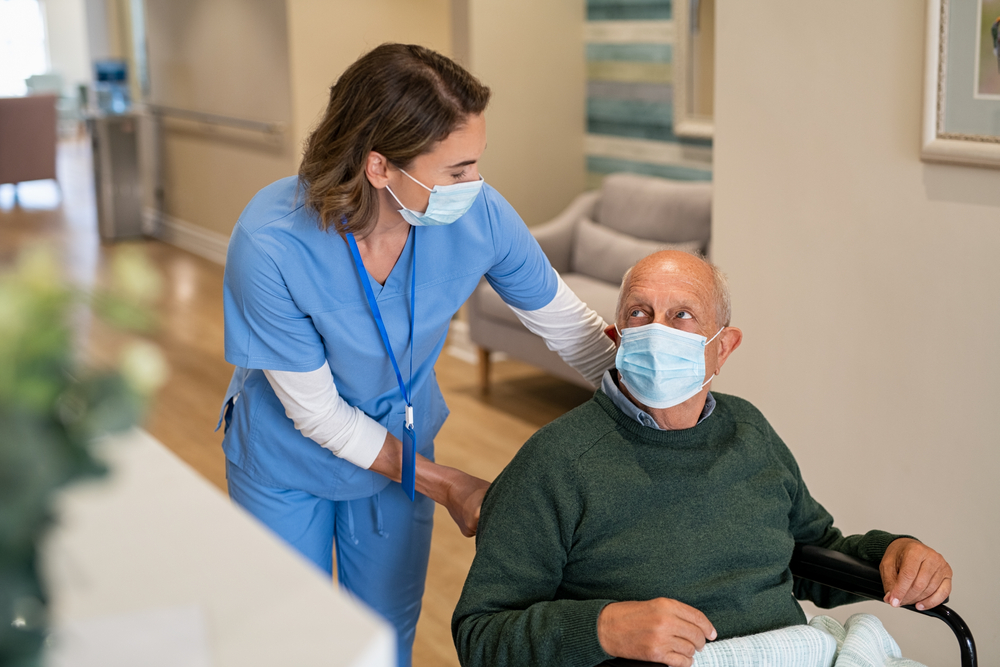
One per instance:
(508, 613)
(811, 524)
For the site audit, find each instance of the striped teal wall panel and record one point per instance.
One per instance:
(657, 133)
(604, 165)
(630, 94)
(623, 90)
(629, 71)
(636, 112)
(640, 53)
(629, 10)
(622, 3)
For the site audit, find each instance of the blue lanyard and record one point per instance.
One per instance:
(409, 462)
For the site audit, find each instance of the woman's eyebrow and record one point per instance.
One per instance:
(461, 164)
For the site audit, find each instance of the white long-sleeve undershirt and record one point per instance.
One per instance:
(319, 412)
(312, 402)
(573, 330)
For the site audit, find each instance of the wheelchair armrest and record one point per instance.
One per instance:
(837, 570)
(853, 575)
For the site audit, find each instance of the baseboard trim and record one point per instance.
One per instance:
(193, 238)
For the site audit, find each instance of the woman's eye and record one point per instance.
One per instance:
(459, 176)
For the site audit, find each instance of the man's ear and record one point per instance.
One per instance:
(377, 170)
(729, 340)
(611, 333)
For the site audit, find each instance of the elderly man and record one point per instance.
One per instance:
(658, 516)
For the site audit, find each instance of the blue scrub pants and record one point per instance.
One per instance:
(382, 542)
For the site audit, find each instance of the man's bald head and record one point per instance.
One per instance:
(700, 274)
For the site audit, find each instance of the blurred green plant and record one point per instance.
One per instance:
(53, 408)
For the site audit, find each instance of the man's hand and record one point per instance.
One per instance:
(913, 573)
(659, 630)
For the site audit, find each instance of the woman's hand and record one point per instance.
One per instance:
(461, 493)
(464, 498)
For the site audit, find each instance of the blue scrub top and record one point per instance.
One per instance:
(293, 300)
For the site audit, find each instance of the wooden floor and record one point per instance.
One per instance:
(481, 435)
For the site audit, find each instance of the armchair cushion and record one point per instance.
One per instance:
(655, 208)
(556, 236)
(603, 253)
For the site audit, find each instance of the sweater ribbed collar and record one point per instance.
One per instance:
(705, 431)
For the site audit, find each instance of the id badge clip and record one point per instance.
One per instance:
(409, 463)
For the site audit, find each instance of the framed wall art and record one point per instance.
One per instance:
(962, 83)
(694, 68)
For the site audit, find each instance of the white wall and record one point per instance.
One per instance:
(227, 57)
(531, 55)
(326, 37)
(534, 67)
(65, 23)
(98, 26)
(867, 284)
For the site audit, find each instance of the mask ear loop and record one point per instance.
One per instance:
(713, 337)
(415, 181)
(395, 197)
(712, 376)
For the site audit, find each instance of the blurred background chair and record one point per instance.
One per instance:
(27, 138)
(591, 244)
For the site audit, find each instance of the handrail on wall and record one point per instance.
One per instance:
(272, 128)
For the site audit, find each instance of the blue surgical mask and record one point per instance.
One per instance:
(660, 366)
(447, 204)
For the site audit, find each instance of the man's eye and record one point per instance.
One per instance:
(636, 313)
(684, 315)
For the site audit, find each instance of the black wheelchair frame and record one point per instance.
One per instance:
(837, 570)
(845, 573)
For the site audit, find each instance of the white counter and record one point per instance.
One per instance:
(154, 541)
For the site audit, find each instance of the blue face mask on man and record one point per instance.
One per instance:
(661, 366)
(447, 203)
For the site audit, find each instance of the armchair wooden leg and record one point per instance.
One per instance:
(484, 370)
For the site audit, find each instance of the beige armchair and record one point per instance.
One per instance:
(591, 244)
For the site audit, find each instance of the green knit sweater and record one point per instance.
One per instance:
(597, 508)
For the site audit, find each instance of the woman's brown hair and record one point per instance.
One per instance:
(398, 100)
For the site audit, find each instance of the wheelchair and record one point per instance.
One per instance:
(845, 573)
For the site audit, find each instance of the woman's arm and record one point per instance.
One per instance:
(319, 412)
(312, 402)
(574, 331)
(461, 493)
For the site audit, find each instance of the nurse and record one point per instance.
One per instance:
(340, 285)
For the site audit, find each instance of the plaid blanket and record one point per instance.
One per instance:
(861, 642)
